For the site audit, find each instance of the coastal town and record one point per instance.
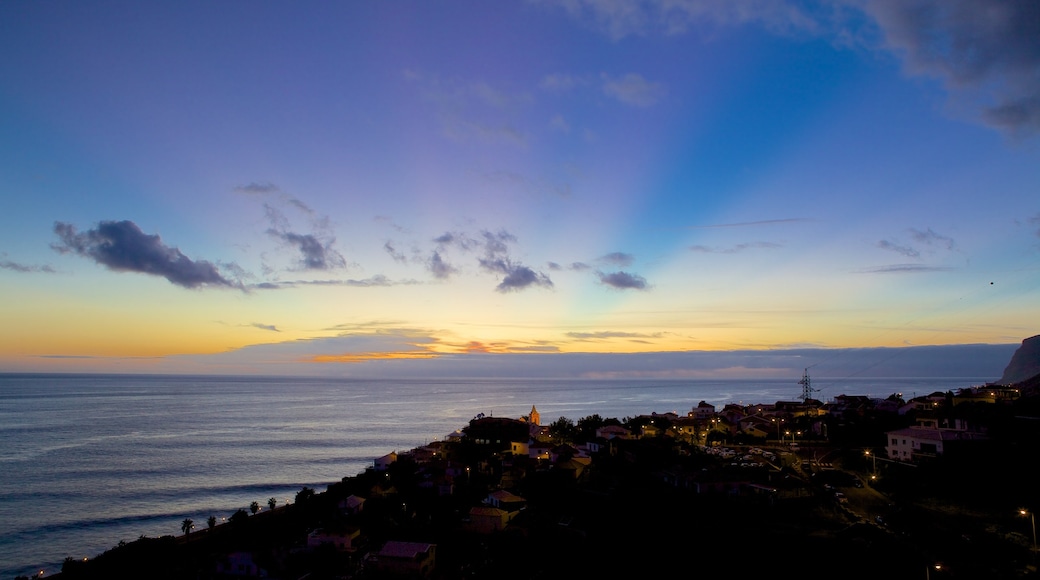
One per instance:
(936, 486)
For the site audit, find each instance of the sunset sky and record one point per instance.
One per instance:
(346, 188)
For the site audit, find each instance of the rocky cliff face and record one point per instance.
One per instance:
(1025, 363)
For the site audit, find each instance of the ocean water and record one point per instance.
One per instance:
(89, 460)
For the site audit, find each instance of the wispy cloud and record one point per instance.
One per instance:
(903, 250)
(122, 246)
(622, 280)
(611, 334)
(316, 249)
(376, 281)
(494, 258)
(618, 259)
(6, 264)
(269, 327)
(989, 48)
(904, 269)
(985, 52)
(439, 268)
(562, 82)
(633, 89)
(931, 238)
(735, 249)
(751, 224)
(927, 238)
(620, 19)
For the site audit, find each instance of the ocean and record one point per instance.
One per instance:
(87, 461)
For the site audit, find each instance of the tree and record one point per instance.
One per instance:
(272, 502)
(304, 494)
(187, 525)
(563, 429)
(254, 507)
(239, 517)
(211, 522)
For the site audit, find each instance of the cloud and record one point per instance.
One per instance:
(904, 269)
(529, 185)
(377, 280)
(259, 188)
(122, 247)
(752, 224)
(254, 188)
(24, 268)
(618, 259)
(736, 249)
(904, 250)
(622, 280)
(465, 130)
(608, 334)
(516, 276)
(396, 255)
(315, 254)
(983, 46)
(1035, 220)
(619, 19)
(633, 89)
(561, 82)
(270, 327)
(931, 238)
(926, 237)
(984, 51)
(440, 269)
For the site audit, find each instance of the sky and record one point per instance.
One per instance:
(608, 188)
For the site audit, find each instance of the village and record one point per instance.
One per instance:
(863, 483)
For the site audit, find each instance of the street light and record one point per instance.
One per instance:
(778, 421)
(1032, 520)
(873, 460)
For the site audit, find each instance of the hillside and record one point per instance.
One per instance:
(1025, 363)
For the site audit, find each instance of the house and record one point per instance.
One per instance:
(688, 427)
(403, 560)
(240, 564)
(613, 432)
(702, 411)
(383, 463)
(505, 500)
(351, 505)
(487, 519)
(343, 539)
(519, 447)
(539, 450)
(914, 444)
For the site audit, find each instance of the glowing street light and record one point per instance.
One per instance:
(1032, 520)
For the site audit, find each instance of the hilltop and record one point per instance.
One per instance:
(1025, 363)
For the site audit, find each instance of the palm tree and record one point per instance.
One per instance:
(271, 502)
(211, 522)
(187, 525)
(254, 507)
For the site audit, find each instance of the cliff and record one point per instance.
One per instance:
(1025, 363)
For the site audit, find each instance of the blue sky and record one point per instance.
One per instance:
(358, 188)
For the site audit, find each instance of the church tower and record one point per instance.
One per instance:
(535, 417)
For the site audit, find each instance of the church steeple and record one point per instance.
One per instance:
(535, 417)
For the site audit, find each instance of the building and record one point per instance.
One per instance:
(403, 560)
